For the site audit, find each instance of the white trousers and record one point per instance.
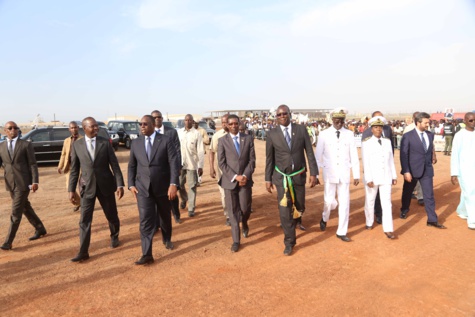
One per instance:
(386, 205)
(343, 192)
(223, 202)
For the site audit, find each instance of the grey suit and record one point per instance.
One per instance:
(289, 160)
(97, 180)
(238, 198)
(20, 171)
(152, 180)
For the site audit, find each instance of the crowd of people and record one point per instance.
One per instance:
(165, 164)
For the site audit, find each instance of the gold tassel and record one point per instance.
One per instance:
(297, 214)
(283, 201)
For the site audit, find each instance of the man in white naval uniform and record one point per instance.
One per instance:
(462, 169)
(379, 173)
(336, 154)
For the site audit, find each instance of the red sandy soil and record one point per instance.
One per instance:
(425, 272)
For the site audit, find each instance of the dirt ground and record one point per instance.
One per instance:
(425, 272)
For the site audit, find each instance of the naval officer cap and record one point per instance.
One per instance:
(377, 121)
(339, 112)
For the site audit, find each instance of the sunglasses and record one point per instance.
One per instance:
(282, 114)
(11, 128)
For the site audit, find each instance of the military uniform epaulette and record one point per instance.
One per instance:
(366, 139)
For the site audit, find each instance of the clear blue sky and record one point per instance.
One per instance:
(101, 57)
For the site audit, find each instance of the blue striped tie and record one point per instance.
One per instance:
(236, 145)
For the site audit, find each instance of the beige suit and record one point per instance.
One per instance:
(65, 164)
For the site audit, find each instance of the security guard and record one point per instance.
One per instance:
(379, 173)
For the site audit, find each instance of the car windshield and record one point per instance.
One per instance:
(168, 124)
(132, 126)
(203, 124)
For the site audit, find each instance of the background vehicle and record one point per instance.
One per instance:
(125, 131)
(204, 125)
(48, 142)
(168, 124)
(180, 124)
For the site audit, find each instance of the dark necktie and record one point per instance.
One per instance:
(158, 131)
(379, 141)
(424, 142)
(236, 145)
(338, 134)
(10, 148)
(148, 148)
(287, 137)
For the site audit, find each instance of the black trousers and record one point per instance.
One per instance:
(427, 185)
(286, 214)
(151, 208)
(21, 205)
(175, 211)
(109, 207)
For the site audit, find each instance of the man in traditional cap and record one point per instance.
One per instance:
(388, 134)
(379, 174)
(336, 153)
(462, 169)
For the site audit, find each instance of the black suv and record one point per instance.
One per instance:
(48, 141)
(125, 130)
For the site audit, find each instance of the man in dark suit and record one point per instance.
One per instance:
(153, 178)
(388, 134)
(417, 159)
(286, 169)
(173, 135)
(94, 157)
(237, 161)
(21, 174)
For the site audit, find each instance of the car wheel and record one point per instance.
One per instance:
(127, 143)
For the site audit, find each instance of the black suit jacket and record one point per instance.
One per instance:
(173, 135)
(414, 159)
(160, 172)
(21, 170)
(95, 173)
(278, 154)
(233, 164)
(387, 131)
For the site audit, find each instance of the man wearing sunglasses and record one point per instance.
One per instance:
(17, 157)
(286, 168)
(462, 169)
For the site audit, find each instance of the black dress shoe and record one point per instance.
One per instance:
(420, 202)
(38, 234)
(369, 227)
(288, 250)
(436, 225)
(343, 238)
(379, 220)
(114, 242)
(6, 246)
(301, 227)
(145, 259)
(169, 245)
(403, 214)
(182, 205)
(178, 221)
(191, 213)
(80, 257)
(245, 231)
(235, 247)
(390, 235)
(323, 225)
(227, 223)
